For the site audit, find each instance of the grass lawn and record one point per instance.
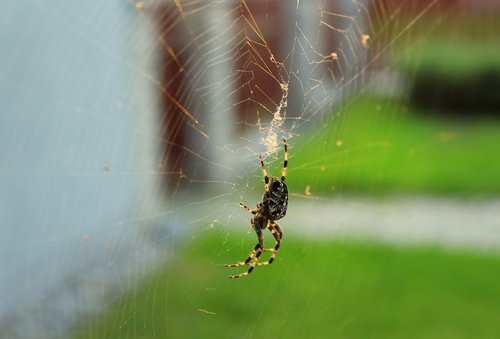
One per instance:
(316, 289)
(379, 145)
(459, 44)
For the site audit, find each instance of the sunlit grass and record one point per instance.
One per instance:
(377, 145)
(455, 44)
(381, 145)
(316, 289)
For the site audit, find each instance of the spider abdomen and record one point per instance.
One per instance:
(275, 201)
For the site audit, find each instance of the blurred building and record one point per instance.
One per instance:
(78, 146)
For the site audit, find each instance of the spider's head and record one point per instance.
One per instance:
(275, 200)
(276, 184)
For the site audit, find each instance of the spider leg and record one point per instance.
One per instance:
(266, 176)
(253, 257)
(242, 205)
(276, 232)
(285, 161)
(278, 228)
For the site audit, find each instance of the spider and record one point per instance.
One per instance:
(273, 207)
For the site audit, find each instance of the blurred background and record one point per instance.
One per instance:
(130, 131)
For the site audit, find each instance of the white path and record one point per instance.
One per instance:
(450, 222)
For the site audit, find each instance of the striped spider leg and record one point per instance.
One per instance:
(273, 207)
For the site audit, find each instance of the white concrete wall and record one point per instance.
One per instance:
(76, 150)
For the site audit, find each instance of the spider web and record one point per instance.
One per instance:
(132, 128)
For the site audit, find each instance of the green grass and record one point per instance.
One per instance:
(455, 44)
(316, 289)
(387, 147)
(459, 59)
